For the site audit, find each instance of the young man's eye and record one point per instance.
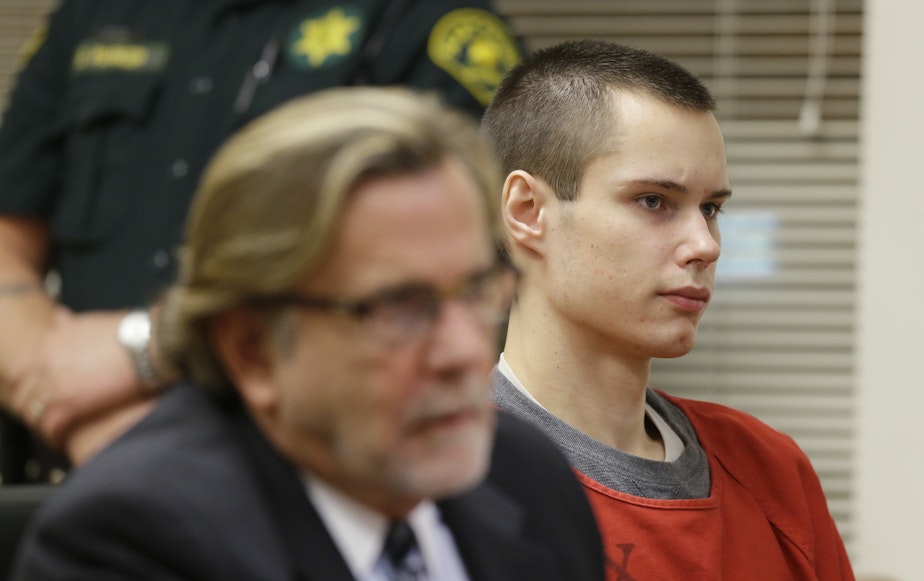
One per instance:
(712, 210)
(651, 202)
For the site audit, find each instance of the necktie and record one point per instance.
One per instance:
(403, 555)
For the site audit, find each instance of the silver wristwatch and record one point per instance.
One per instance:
(135, 335)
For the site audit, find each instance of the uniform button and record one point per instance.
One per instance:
(200, 86)
(180, 168)
(161, 259)
(57, 476)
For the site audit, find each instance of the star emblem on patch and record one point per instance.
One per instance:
(326, 39)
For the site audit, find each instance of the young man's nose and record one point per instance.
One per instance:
(700, 241)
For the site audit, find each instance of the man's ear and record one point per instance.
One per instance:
(526, 204)
(242, 341)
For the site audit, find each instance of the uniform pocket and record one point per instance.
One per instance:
(107, 117)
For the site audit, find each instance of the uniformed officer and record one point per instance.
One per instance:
(108, 128)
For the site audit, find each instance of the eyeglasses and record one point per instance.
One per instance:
(406, 313)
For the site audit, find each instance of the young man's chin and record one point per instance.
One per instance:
(675, 346)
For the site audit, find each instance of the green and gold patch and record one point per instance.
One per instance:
(476, 48)
(327, 38)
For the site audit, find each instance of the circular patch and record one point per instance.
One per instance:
(325, 39)
(476, 48)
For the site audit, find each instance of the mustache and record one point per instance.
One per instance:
(470, 396)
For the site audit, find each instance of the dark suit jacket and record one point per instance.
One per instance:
(194, 492)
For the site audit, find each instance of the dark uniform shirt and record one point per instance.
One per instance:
(116, 114)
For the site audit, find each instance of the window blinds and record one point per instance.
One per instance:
(19, 19)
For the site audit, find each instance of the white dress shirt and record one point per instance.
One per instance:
(359, 532)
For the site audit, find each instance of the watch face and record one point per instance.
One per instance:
(135, 330)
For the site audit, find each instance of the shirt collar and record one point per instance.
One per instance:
(359, 531)
(673, 445)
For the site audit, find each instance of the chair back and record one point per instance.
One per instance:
(17, 505)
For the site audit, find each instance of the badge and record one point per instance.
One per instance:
(476, 48)
(324, 40)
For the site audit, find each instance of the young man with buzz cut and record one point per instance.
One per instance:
(616, 178)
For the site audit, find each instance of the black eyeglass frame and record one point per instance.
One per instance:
(500, 277)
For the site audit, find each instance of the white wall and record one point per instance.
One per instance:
(890, 354)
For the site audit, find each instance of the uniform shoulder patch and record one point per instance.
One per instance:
(476, 48)
(326, 38)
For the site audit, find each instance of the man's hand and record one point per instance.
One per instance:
(64, 375)
(78, 371)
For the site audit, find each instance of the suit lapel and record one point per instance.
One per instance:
(312, 551)
(488, 529)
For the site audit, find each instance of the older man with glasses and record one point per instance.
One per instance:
(336, 318)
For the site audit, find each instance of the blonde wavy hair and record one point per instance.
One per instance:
(272, 197)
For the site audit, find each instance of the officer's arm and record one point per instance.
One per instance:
(26, 311)
(58, 369)
(64, 374)
(27, 170)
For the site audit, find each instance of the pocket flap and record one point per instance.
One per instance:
(101, 98)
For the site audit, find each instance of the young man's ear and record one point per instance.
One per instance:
(243, 342)
(526, 206)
